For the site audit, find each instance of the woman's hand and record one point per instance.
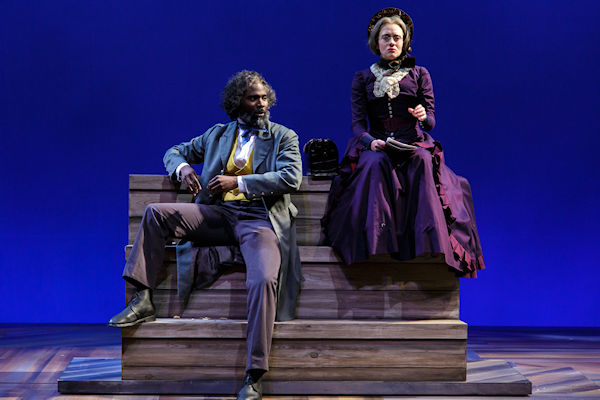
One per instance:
(377, 145)
(418, 112)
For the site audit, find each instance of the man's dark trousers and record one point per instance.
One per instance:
(227, 222)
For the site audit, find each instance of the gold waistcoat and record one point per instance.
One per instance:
(233, 170)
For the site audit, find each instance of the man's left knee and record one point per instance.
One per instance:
(261, 278)
(263, 257)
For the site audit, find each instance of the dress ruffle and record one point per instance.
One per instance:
(469, 263)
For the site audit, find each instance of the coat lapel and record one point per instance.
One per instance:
(226, 142)
(262, 147)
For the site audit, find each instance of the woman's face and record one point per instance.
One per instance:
(391, 39)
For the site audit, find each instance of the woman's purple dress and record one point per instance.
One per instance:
(396, 202)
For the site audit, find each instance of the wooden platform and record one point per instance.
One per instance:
(103, 376)
(381, 320)
(561, 363)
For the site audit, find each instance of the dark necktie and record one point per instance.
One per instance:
(248, 132)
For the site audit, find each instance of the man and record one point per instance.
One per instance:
(250, 166)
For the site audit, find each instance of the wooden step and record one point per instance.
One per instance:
(161, 183)
(318, 329)
(374, 290)
(308, 230)
(310, 200)
(325, 254)
(301, 350)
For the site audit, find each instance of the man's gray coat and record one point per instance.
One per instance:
(277, 171)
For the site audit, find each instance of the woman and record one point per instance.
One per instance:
(400, 202)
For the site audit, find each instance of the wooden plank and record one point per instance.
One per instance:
(308, 230)
(314, 329)
(138, 200)
(325, 254)
(318, 304)
(296, 353)
(334, 378)
(309, 206)
(317, 254)
(310, 184)
(151, 182)
(369, 277)
(379, 304)
(338, 277)
(132, 229)
(162, 182)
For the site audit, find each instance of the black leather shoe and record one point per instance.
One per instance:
(251, 390)
(140, 309)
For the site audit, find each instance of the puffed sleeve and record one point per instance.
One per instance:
(426, 99)
(359, 110)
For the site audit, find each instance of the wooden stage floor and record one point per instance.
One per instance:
(561, 363)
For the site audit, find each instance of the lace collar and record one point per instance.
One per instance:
(386, 81)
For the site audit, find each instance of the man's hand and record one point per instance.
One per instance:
(378, 145)
(418, 112)
(222, 183)
(189, 177)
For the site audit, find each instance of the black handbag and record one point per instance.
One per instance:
(322, 157)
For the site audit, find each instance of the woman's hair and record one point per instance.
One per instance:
(374, 35)
(232, 95)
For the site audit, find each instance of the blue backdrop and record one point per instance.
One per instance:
(93, 91)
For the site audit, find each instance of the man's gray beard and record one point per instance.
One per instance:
(256, 122)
